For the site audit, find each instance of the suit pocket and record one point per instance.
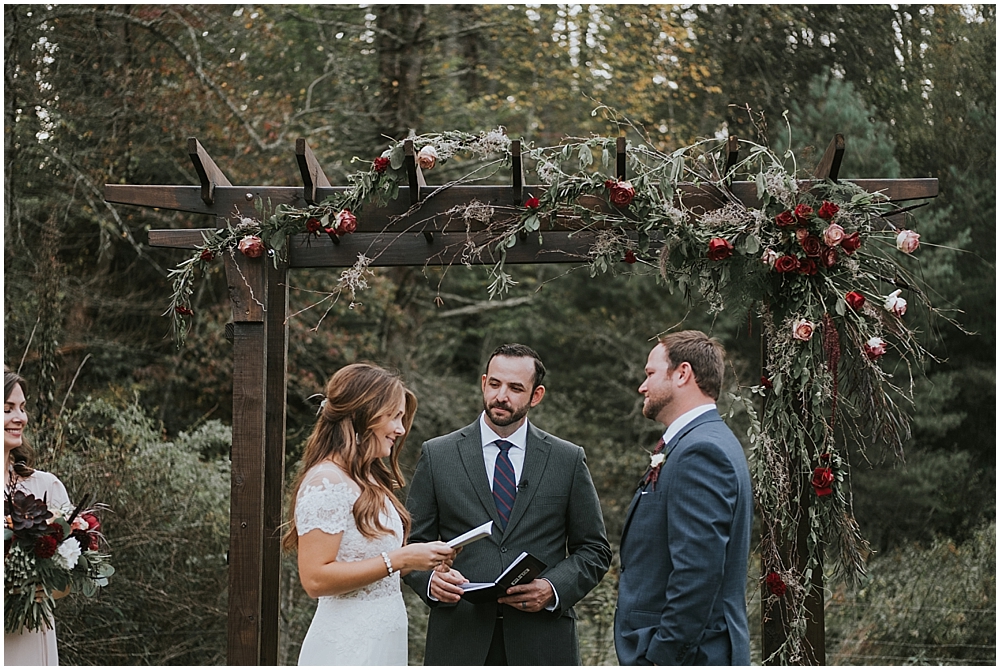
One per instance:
(550, 500)
(643, 619)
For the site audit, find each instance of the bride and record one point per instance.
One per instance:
(348, 526)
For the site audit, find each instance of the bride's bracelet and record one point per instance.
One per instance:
(388, 563)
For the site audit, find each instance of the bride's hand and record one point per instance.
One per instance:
(427, 555)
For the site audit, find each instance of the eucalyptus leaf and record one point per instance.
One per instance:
(586, 156)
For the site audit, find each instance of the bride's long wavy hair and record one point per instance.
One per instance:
(358, 398)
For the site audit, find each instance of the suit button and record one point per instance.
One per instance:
(503, 550)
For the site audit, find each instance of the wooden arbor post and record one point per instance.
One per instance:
(430, 234)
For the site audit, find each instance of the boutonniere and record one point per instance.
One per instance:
(655, 464)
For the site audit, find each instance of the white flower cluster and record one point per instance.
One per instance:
(778, 184)
(355, 277)
(492, 142)
(730, 214)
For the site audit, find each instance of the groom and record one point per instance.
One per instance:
(538, 492)
(681, 595)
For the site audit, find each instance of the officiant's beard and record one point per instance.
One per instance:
(654, 405)
(516, 413)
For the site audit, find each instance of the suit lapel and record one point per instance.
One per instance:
(536, 455)
(470, 450)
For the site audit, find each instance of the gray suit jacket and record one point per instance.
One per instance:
(556, 517)
(684, 553)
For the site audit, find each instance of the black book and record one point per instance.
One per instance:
(524, 569)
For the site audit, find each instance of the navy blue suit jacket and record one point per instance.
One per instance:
(684, 553)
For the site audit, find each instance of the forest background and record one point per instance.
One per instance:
(110, 93)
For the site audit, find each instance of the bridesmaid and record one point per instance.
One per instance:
(27, 647)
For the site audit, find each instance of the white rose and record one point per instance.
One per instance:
(895, 304)
(769, 257)
(68, 553)
(656, 460)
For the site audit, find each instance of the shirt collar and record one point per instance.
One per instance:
(683, 420)
(519, 439)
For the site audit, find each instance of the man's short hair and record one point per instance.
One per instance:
(703, 353)
(515, 350)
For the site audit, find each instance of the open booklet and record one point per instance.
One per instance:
(477, 533)
(524, 569)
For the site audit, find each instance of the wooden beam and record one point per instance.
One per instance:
(209, 173)
(732, 156)
(829, 164)
(621, 168)
(246, 280)
(312, 173)
(517, 172)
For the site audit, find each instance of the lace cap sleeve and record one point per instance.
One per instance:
(325, 504)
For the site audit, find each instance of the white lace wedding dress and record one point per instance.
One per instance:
(366, 626)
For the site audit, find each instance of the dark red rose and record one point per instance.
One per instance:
(822, 481)
(828, 257)
(775, 584)
(45, 546)
(855, 300)
(56, 531)
(811, 246)
(313, 225)
(766, 383)
(622, 193)
(851, 243)
(346, 222)
(93, 541)
(719, 249)
(630, 257)
(786, 263)
(803, 212)
(785, 219)
(207, 255)
(827, 210)
(183, 311)
(533, 203)
(609, 183)
(381, 164)
(808, 266)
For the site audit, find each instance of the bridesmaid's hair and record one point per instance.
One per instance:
(359, 397)
(23, 457)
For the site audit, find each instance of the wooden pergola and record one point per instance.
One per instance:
(418, 228)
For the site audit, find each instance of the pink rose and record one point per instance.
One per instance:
(803, 212)
(427, 157)
(803, 330)
(895, 304)
(785, 219)
(622, 193)
(801, 234)
(251, 246)
(874, 347)
(907, 241)
(827, 210)
(719, 249)
(346, 222)
(833, 234)
(769, 257)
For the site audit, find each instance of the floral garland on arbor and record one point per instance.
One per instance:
(821, 266)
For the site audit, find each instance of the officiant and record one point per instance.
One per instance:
(537, 490)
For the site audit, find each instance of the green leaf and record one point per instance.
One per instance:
(532, 223)
(396, 156)
(510, 241)
(605, 157)
(841, 307)
(751, 244)
(760, 185)
(586, 156)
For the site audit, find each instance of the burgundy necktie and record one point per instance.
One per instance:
(504, 486)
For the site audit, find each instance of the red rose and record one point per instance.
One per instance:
(93, 541)
(45, 546)
(183, 311)
(93, 523)
(346, 222)
(811, 246)
(251, 246)
(828, 257)
(822, 481)
(785, 219)
(313, 225)
(719, 249)
(803, 212)
(630, 257)
(56, 531)
(207, 255)
(533, 203)
(855, 300)
(807, 266)
(827, 210)
(609, 183)
(622, 193)
(381, 164)
(766, 383)
(851, 243)
(786, 263)
(775, 584)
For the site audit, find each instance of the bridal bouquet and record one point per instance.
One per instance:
(47, 551)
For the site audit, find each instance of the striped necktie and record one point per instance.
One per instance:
(504, 486)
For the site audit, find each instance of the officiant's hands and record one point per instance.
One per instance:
(534, 596)
(446, 585)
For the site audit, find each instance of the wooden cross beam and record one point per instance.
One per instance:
(414, 229)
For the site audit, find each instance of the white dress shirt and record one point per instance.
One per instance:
(683, 420)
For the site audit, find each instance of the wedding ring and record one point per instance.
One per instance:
(524, 605)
